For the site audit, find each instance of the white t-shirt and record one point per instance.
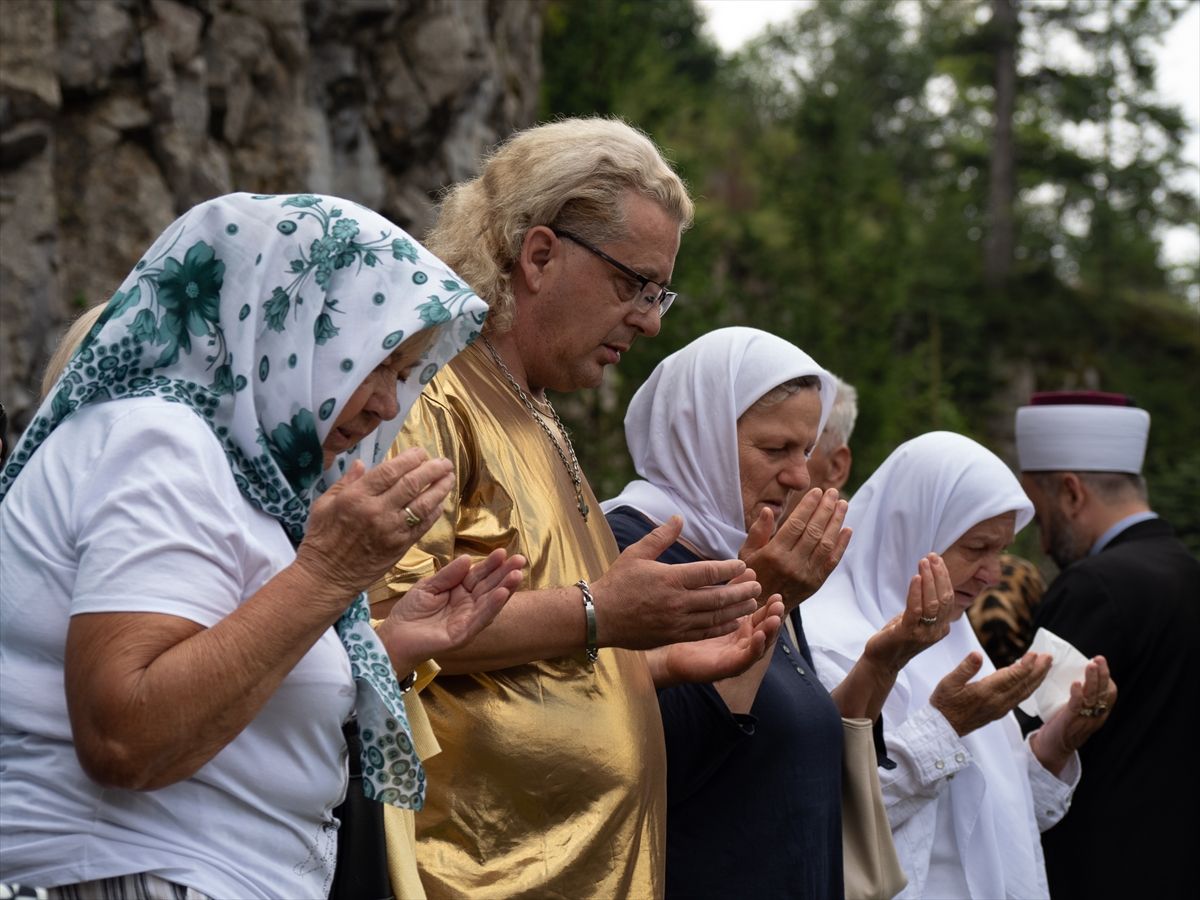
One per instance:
(130, 506)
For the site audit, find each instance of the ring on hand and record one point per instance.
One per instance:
(1090, 711)
(411, 519)
(928, 620)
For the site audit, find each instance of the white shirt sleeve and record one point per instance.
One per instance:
(1051, 793)
(925, 747)
(928, 753)
(159, 523)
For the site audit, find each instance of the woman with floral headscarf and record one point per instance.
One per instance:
(187, 527)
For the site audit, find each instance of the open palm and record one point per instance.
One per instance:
(925, 620)
(449, 608)
(728, 655)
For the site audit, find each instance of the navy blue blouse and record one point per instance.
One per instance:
(754, 801)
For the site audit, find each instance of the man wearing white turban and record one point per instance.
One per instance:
(1128, 590)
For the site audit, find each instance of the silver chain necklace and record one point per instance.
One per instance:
(571, 465)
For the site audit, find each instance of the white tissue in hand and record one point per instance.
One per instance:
(1053, 693)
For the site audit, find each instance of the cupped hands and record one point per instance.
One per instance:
(449, 608)
(359, 527)
(925, 620)
(968, 705)
(795, 560)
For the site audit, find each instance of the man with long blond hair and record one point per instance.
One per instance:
(551, 779)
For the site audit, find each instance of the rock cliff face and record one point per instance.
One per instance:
(118, 115)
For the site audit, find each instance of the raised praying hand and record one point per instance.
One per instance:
(924, 622)
(449, 608)
(359, 527)
(1086, 710)
(968, 705)
(795, 560)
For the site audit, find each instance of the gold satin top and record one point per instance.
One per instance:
(552, 777)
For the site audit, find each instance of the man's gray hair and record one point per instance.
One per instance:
(842, 417)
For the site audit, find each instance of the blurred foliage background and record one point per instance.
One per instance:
(950, 204)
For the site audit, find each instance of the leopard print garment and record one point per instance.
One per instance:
(1002, 615)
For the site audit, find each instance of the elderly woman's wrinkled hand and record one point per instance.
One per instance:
(369, 519)
(968, 705)
(449, 608)
(925, 620)
(1087, 709)
(795, 560)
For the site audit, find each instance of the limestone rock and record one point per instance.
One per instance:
(29, 86)
(97, 40)
(118, 115)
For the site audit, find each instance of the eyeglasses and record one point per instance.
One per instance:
(650, 294)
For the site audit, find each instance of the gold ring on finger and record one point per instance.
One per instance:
(928, 620)
(411, 519)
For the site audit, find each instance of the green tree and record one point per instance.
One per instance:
(850, 185)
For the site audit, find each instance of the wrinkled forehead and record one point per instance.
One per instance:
(790, 410)
(997, 530)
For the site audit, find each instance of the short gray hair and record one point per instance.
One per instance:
(840, 424)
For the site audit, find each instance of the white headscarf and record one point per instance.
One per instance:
(263, 314)
(925, 496)
(681, 428)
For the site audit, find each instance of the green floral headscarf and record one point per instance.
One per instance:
(264, 314)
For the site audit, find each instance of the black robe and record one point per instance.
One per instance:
(1132, 827)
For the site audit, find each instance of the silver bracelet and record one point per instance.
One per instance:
(589, 611)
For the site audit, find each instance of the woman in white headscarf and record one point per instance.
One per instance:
(720, 433)
(967, 797)
(187, 527)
